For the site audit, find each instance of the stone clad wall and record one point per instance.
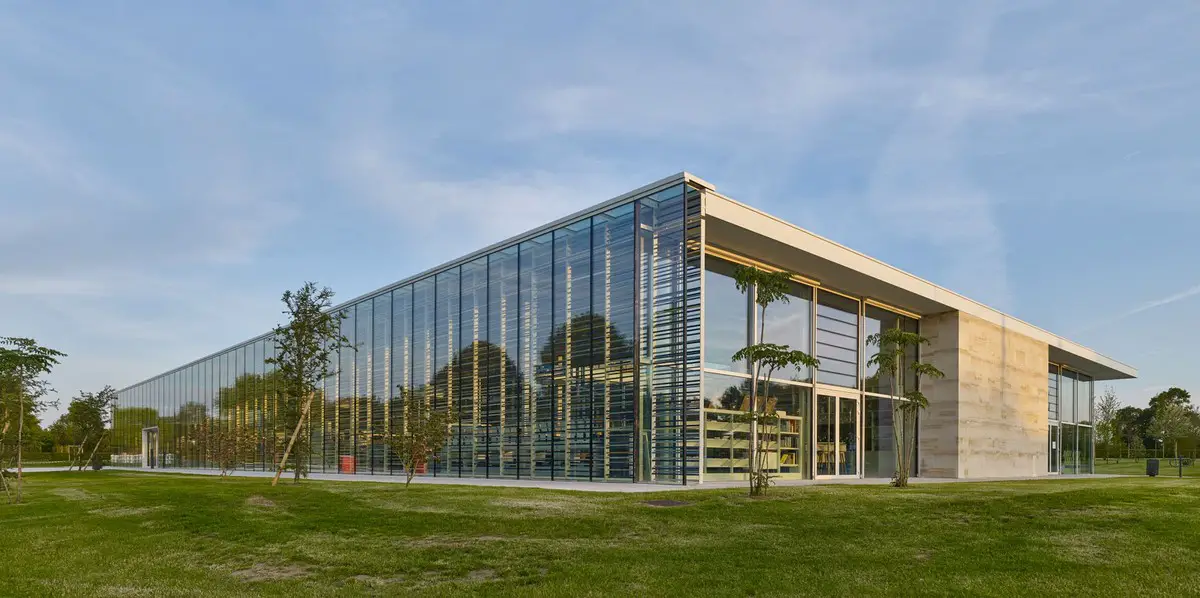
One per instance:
(937, 437)
(1002, 389)
(988, 417)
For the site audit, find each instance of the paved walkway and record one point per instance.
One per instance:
(586, 486)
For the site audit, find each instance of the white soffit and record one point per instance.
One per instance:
(738, 227)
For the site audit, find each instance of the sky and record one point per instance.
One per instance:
(168, 169)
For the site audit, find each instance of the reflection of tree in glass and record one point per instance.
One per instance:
(479, 354)
(732, 397)
(253, 399)
(587, 334)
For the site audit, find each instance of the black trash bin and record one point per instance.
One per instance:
(1151, 467)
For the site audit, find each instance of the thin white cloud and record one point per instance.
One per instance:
(1169, 299)
(1143, 307)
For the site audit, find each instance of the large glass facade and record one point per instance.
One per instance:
(1070, 442)
(837, 340)
(841, 423)
(569, 354)
(577, 352)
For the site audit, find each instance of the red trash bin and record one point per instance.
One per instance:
(346, 465)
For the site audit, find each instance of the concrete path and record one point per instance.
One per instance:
(583, 486)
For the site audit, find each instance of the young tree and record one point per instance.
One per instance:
(764, 359)
(227, 448)
(105, 402)
(87, 420)
(1106, 419)
(897, 358)
(302, 356)
(423, 436)
(23, 362)
(1172, 421)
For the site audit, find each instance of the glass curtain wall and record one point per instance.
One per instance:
(669, 322)
(1070, 436)
(832, 328)
(730, 318)
(562, 356)
(880, 413)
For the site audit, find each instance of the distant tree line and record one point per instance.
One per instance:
(1169, 425)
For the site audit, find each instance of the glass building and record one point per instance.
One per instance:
(599, 348)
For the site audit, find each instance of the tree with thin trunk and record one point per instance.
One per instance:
(1171, 422)
(422, 437)
(23, 362)
(764, 359)
(1106, 420)
(303, 348)
(897, 358)
(89, 416)
(227, 448)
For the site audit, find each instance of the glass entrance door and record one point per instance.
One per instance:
(150, 447)
(837, 446)
(1053, 448)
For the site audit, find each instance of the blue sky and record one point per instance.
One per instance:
(168, 169)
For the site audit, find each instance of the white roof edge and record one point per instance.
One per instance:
(727, 209)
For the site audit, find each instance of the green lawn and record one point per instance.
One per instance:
(1138, 467)
(126, 533)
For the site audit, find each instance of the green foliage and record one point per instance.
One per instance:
(225, 446)
(765, 359)
(774, 357)
(23, 394)
(303, 351)
(1170, 396)
(1172, 422)
(1106, 421)
(768, 287)
(86, 420)
(895, 358)
(425, 433)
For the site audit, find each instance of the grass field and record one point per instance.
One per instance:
(117, 533)
(1138, 467)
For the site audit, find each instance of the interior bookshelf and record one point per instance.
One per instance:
(727, 444)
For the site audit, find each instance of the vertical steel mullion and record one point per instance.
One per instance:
(451, 355)
(553, 352)
(487, 380)
(637, 341)
(591, 382)
(814, 408)
(411, 350)
(387, 377)
(860, 374)
(371, 390)
(526, 382)
(433, 356)
(682, 322)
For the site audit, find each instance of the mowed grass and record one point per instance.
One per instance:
(115, 533)
(1136, 467)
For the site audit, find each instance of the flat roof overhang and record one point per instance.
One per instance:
(742, 229)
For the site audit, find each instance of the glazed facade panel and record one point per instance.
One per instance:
(562, 356)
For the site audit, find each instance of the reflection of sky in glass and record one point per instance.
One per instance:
(837, 340)
(724, 321)
(790, 324)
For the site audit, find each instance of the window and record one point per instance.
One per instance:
(1052, 392)
(837, 340)
(725, 324)
(877, 320)
(1066, 393)
(791, 324)
(1083, 399)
